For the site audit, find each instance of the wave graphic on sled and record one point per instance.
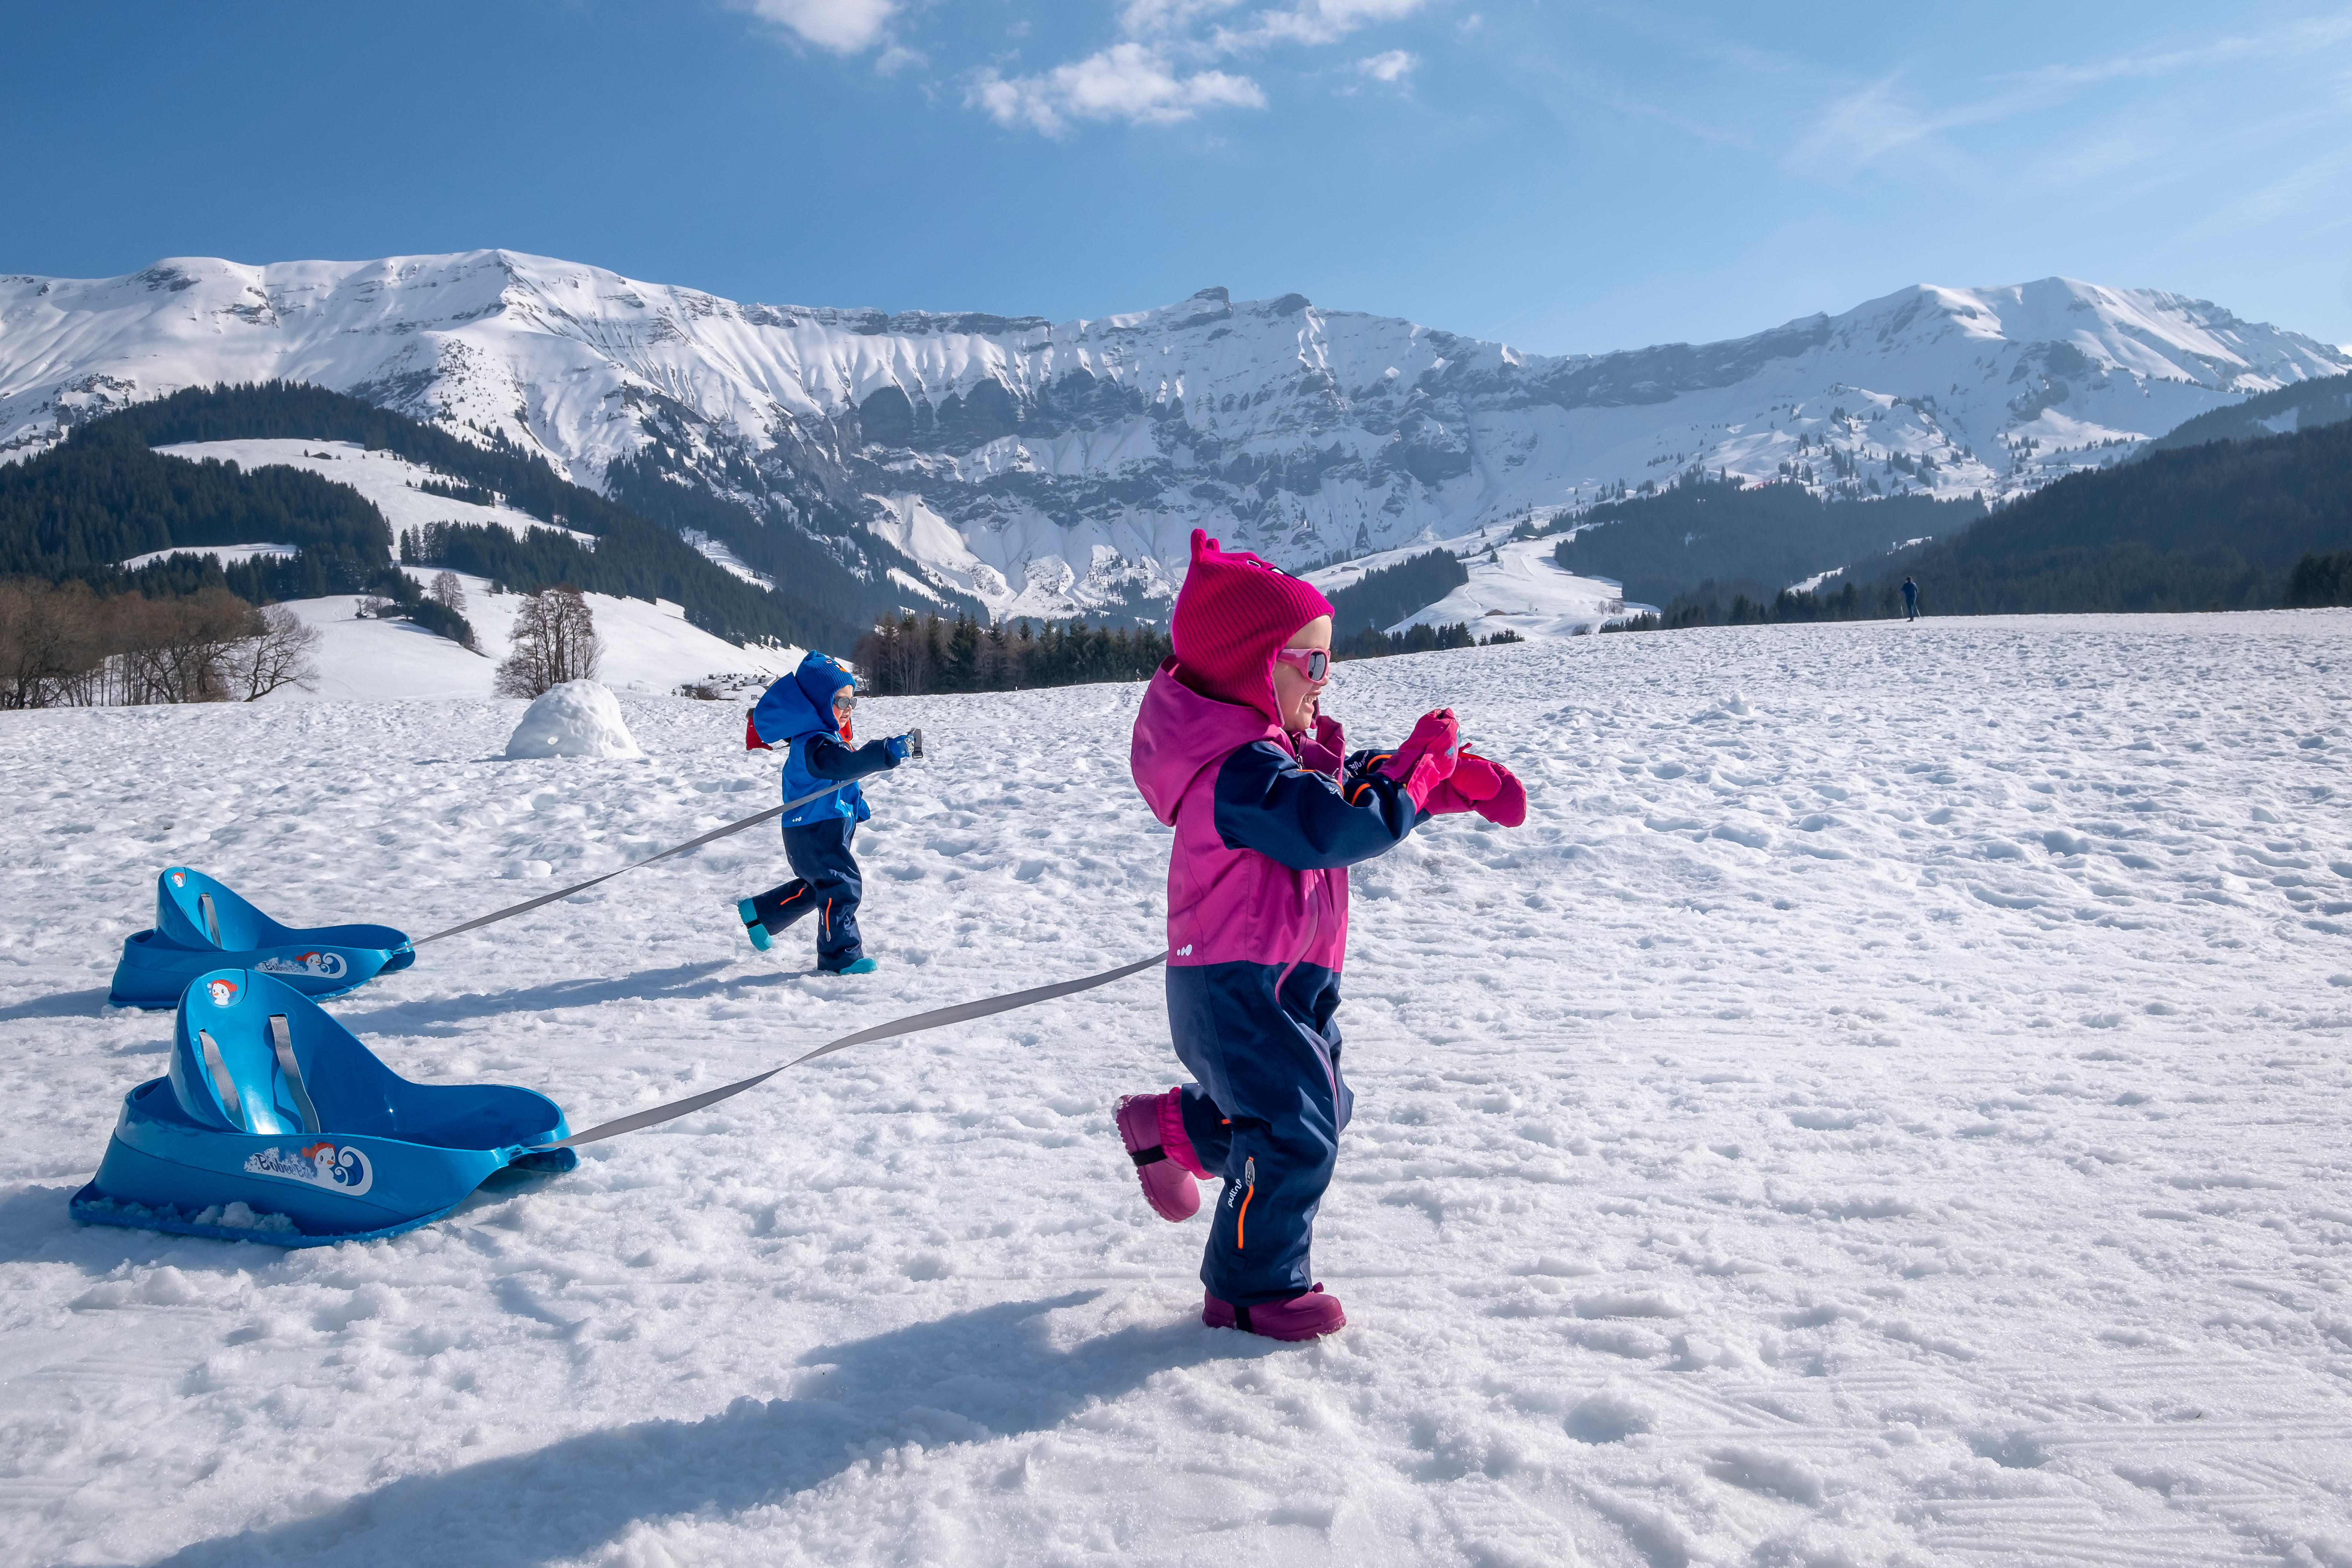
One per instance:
(275, 1124)
(203, 924)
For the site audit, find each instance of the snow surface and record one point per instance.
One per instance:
(1048, 467)
(577, 719)
(1885, 1106)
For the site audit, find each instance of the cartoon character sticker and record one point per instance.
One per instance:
(341, 1170)
(224, 992)
(179, 879)
(321, 965)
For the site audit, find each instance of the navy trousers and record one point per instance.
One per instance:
(825, 883)
(1265, 1115)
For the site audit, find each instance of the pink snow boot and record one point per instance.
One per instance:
(1152, 1128)
(1306, 1317)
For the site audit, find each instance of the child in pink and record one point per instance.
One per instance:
(1269, 810)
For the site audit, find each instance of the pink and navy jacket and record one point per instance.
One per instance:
(1257, 929)
(1266, 829)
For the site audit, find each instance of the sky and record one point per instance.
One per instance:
(1564, 176)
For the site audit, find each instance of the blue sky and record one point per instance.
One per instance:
(1566, 176)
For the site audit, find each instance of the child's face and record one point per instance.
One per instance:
(844, 703)
(1296, 698)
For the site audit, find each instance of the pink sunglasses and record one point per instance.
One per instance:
(1314, 663)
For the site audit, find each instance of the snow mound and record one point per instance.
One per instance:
(577, 719)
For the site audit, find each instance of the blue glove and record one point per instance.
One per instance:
(898, 747)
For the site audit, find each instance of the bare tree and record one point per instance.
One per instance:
(52, 643)
(448, 592)
(283, 651)
(554, 641)
(178, 650)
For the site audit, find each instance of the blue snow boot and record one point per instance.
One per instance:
(863, 966)
(753, 926)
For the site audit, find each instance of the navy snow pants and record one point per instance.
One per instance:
(1265, 1115)
(824, 883)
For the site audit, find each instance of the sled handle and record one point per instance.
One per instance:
(212, 921)
(281, 1039)
(223, 1085)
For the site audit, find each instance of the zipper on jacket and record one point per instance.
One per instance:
(1249, 1191)
(1314, 925)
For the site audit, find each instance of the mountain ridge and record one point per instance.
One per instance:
(1045, 468)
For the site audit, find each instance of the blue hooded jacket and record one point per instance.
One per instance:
(795, 716)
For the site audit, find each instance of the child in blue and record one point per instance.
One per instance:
(806, 716)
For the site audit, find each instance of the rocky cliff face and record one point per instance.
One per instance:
(1046, 467)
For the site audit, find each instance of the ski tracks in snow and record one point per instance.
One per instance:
(1884, 1107)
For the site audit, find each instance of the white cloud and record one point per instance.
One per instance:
(1138, 19)
(1391, 65)
(1132, 82)
(844, 26)
(1312, 22)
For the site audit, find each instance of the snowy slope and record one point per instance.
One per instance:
(1515, 585)
(649, 647)
(1885, 1107)
(1050, 466)
(389, 480)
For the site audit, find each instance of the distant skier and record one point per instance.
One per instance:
(807, 715)
(1229, 749)
(1910, 600)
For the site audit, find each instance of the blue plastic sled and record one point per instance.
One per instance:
(277, 1125)
(201, 925)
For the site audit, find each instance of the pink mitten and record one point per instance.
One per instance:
(1481, 785)
(1425, 759)
(1507, 805)
(1432, 740)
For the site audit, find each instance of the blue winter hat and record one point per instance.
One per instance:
(819, 677)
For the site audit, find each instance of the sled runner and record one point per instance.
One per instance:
(275, 1124)
(201, 925)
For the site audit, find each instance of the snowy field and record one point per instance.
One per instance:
(1886, 1106)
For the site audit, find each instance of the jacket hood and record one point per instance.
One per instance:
(1178, 732)
(802, 705)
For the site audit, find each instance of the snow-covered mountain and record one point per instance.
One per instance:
(1046, 467)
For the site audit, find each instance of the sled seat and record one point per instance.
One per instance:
(275, 1124)
(201, 923)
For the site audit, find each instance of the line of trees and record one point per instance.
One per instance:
(1418, 637)
(2318, 580)
(62, 644)
(908, 656)
(1387, 595)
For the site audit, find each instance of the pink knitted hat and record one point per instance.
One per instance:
(1232, 614)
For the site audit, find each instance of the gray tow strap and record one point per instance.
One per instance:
(962, 1011)
(714, 834)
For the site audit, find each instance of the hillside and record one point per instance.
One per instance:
(1757, 539)
(2219, 525)
(2302, 406)
(151, 476)
(1039, 467)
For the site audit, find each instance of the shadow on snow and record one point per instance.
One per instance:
(986, 1373)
